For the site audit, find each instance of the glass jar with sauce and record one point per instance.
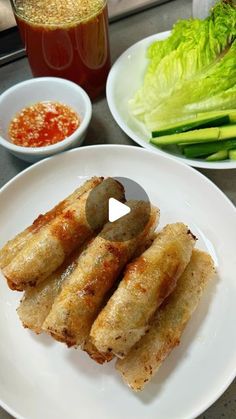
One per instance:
(66, 39)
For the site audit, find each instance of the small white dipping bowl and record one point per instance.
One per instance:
(43, 89)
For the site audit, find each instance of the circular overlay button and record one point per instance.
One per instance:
(122, 202)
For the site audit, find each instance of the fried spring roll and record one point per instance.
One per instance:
(89, 347)
(148, 280)
(82, 296)
(15, 245)
(95, 355)
(37, 301)
(46, 250)
(144, 359)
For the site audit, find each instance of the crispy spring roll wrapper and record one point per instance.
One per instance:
(37, 301)
(83, 294)
(88, 346)
(46, 250)
(148, 280)
(144, 359)
(95, 355)
(13, 246)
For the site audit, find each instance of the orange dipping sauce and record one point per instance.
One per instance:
(43, 124)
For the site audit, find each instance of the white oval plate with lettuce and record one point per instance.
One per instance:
(190, 76)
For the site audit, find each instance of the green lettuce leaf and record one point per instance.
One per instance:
(192, 71)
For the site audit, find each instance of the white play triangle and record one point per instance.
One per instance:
(116, 210)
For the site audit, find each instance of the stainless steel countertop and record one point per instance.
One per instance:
(103, 129)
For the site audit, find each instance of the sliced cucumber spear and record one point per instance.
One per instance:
(203, 121)
(202, 150)
(205, 135)
(220, 155)
(197, 136)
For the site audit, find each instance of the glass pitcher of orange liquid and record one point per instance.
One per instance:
(66, 39)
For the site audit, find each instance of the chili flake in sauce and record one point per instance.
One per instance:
(43, 124)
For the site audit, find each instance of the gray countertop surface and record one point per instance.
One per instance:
(104, 129)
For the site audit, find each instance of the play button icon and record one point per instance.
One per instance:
(122, 202)
(116, 210)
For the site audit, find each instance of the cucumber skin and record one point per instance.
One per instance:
(230, 112)
(198, 136)
(208, 123)
(194, 136)
(202, 150)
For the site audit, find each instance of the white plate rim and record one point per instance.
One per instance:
(111, 80)
(122, 146)
(230, 379)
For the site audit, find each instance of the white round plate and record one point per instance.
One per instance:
(125, 78)
(40, 378)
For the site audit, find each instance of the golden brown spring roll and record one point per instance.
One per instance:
(82, 296)
(94, 354)
(37, 301)
(148, 280)
(144, 359)
(15, 245)
(92, 351)
(88, 346)
(46, 250)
